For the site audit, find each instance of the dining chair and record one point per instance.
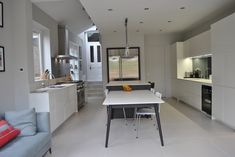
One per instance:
(106, 91)
(146, 112)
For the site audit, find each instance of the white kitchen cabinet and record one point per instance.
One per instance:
(223, 46)
(198, 45)
(188, 92)
(60, 102)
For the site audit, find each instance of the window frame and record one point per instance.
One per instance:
(123, 48)
(42, 68)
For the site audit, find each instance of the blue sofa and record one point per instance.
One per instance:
(31, 146)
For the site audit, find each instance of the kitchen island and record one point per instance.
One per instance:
(59, 100)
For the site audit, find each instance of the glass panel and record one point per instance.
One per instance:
(130, 66)
(92, 54)
(122, 67)
(114, 67)
(37, 56)
(93, 37)
(98, 54)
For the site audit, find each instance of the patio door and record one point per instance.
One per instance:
(122, 67)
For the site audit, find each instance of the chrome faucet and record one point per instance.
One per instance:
(52, 76)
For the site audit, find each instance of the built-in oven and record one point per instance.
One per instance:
(207, 99)
(80, 94)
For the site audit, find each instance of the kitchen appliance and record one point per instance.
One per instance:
(207, 99)
(80, 92)
(64, 37)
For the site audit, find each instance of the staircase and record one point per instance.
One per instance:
(94, 90)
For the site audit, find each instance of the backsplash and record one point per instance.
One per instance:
(203, 65)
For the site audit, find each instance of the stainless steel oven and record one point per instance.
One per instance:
(80, 94)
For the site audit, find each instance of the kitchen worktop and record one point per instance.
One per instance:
(200, 80)
(52, 88)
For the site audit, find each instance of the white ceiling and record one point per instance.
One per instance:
(157, 17)
(66, 12)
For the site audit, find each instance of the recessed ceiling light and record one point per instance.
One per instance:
(114, 31)
(141, 22)
(137, 30)
(182, 8)
(161, 30)
(146, 8)
(110, 9)
(169, 21)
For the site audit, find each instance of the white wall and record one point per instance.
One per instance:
(45, 20)
(157, 59)
(7, 78)
(118, 40)
(16, 37)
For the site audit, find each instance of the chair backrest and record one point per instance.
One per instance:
(152, 84)
(158, 94)
(106, 91)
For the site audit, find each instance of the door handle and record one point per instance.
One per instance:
(90, 67)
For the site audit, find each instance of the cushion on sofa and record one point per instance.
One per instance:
(27, 146)
(7, 133)
(24, 120)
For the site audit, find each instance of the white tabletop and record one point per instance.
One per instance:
(120, 83)
(133, 97)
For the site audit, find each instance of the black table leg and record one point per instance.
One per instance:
(156, 108)
(109, 108)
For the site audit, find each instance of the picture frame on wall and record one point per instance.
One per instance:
(1, 14)
(2, 59)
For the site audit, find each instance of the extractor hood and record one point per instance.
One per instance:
(63, 35)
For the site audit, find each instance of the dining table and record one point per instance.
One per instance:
(132, 99)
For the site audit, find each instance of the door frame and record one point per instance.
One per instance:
(107, 57)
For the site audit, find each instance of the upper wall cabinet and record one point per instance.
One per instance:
(198, 45)
(223, 35)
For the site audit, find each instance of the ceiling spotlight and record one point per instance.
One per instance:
(161, 30)
(141, 22)
(110, 9)
(137, 30)
(146, 8)
(114, 31)
(169, 21)
(182, 8)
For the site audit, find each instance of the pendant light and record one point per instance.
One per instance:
(127, 47)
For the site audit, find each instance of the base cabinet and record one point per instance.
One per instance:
(188, 92)
(61, 103)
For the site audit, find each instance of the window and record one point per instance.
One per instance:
(98, 54)
(37, 53)
(92, 54)
(121, 66)
(93, 37)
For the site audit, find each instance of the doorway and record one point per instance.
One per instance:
(94, 57)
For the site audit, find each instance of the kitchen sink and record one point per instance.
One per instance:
(56, 86)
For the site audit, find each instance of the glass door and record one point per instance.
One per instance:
(123, 67)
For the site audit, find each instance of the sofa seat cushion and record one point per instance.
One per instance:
(27, 146)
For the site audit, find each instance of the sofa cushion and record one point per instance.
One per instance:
(26, 146)
(25, 120)
(7, 133)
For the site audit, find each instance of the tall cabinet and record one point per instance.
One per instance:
(223, 61)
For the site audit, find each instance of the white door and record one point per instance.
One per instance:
(94, 61)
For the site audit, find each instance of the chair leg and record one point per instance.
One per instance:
(124, 114)
(137, 127)
(135, 117)
(50, 151)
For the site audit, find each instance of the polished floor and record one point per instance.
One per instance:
(187, 133)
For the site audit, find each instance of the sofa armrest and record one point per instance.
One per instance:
(43, 122)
